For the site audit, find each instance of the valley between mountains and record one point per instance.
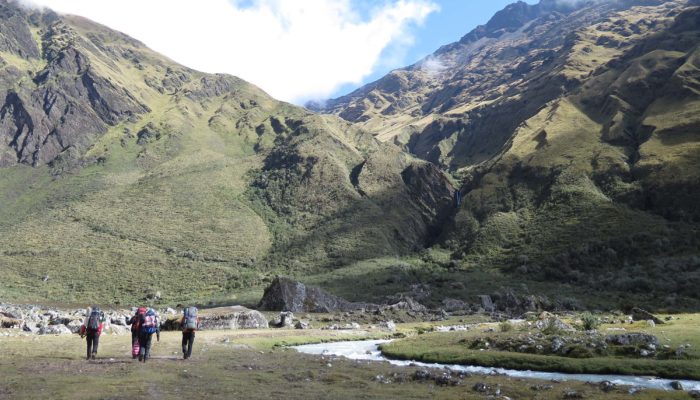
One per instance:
(570, 132)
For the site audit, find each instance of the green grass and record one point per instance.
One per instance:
(450, 348)
(234, 364)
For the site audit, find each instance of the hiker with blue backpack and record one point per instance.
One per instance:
(149, 324)
(92, 329)
(189, 324)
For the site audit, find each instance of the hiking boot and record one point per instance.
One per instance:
(140, 358)
(93, 356)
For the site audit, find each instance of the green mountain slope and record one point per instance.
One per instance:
(575, 133)
(125, 175)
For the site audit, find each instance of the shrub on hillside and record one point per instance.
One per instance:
(590, 321)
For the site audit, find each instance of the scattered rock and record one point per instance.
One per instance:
(284, 320)
(676, 385)
(235, 317)
(694, 394)
(572, 394)
(388, 326)
(635, 389)
(556, 323)
(408, 304)
(54, 330)
(541, 387)
(481, 387)
(453, 305)
(607, 386)
(626, 339)
(642, 315)
(422, 375)
(30, 327)
(302, 325)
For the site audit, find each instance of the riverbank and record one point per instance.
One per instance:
(671, 350)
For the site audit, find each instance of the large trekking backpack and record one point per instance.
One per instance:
(149, 322)
(190, 318)
(94, 320)
(140, 313)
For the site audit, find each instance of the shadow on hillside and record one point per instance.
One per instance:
(390, 223)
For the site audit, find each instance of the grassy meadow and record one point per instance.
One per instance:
(243, 364)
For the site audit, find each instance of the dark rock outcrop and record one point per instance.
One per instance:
(639, 314)
(285, 294)
(70, 103)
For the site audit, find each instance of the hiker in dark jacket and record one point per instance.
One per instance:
(188, 324)
(149, 324)
(135, 322)
(92, 329)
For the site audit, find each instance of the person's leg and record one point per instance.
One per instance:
(190, 344)
(88, 339)
(142, 345)
(134, 344)
(147, 351)
(184, 343)
(95, 343)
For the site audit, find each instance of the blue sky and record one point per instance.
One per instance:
(454, 19)
(296, 50)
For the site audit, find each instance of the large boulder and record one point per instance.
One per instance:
(54, 330)
(235, 317)
(285, 294)
(633, 338)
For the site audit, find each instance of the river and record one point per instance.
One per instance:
(369, 351)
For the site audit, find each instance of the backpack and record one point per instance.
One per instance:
(149, 322)
(94, 320)
(140, 312)
(190, 322)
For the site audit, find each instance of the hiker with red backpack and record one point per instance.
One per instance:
(189, 324)
(92, 328)
(135, 322)
(149, 323)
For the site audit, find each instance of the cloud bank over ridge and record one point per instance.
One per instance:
(295, 50)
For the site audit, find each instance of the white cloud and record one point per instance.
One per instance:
(433, 65)
(294, 49)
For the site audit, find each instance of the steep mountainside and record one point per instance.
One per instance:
(124, 175)
(575, 130)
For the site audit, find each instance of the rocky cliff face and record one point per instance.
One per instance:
(574, 132)
(202, 180)
(63, 102)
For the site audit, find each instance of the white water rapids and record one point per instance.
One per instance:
(369, 351)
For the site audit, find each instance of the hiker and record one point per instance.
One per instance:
(135, 322)
(92, 328)
(189, 324)
(149, 323)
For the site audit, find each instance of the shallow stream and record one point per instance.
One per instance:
(369, 351)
